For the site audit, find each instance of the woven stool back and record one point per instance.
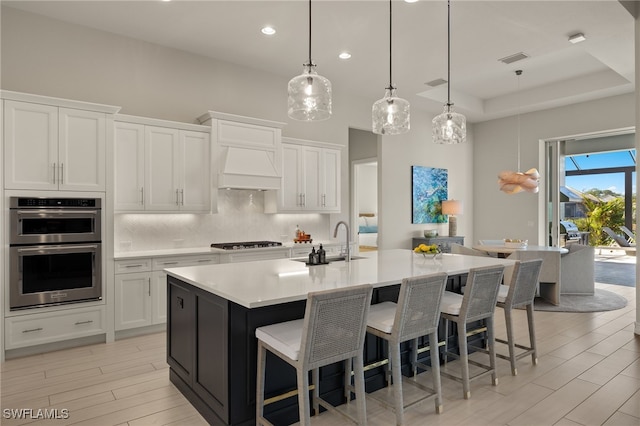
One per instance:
(335, 325)
(481, 293)
(418, 311)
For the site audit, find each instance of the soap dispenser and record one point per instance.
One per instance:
(313, 257)
(322, 255)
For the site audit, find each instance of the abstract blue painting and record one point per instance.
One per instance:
(429, 189)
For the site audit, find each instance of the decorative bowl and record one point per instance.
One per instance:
(511, 243)
(428, 255)
(430, 233)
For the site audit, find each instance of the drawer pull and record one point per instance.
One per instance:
(32, 330)
(84, 322)
(169, 263)
(204, 260)
(134, 266)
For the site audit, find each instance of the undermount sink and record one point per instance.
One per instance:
(330, 259)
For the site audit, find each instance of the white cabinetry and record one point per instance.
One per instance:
(310, 178)
(235, 256)
(141, 288)
(35, 329)
(53, 144)
(161, 166)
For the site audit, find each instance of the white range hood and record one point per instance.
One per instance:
(248, 151)
(247, 168)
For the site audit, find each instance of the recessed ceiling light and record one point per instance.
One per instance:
(268, 30)
(344, 55)
(577, 38)
(410, 1)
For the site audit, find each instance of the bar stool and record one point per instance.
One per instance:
(416, 314)
(478, 303)
(333, 329)
(520, 293)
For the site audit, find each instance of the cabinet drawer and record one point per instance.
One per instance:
(133, 265)
(161, 263)
(28, 330)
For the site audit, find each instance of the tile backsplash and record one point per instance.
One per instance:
(240, 217)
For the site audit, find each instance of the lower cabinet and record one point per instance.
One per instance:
(36, 329)
(141, 288)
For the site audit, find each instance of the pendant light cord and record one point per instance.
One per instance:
(310, 63)
(390, 47)
(518, 73)
(449, 53)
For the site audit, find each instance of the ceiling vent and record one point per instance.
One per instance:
(436, 82)
(514, 58)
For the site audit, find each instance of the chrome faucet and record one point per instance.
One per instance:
(347, 257)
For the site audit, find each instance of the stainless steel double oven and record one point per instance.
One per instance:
(55, 251)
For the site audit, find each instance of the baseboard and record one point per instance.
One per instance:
(133, 332)
(55, 346)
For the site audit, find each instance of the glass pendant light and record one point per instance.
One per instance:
(449, 127)
(390, 115)
(309, 93)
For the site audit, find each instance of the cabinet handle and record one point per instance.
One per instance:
(304, 200)
(300, 199)
(324, 200)
(204, 260)
(182, 196)
(181, 302)
(169, 263)
(54, 172)
(149, 287)
(61, 174)
(134, 266)
(84, 322)
(142, 196)
(32, 330)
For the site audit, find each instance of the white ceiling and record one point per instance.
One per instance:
(556, 73)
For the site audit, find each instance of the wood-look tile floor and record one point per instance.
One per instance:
(588, 373)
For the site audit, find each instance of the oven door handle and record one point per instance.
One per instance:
(62, 249)
(69, 213)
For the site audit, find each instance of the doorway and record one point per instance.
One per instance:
(365, 203)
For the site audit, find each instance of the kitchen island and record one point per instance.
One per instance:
(213, 312)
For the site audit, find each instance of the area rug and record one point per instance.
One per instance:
(602, 300)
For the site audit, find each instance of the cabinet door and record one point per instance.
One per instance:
(133, 300)
(312, 193)
(31, 146)
(129, 167)
(291, 192)
(195, 193)
(81, 150)
(330, 197)
(158, 297)
(161, 168)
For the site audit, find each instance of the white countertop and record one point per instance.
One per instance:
(270, 282)
(133, 254)
(505, 249)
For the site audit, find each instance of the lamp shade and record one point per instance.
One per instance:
(451, 207)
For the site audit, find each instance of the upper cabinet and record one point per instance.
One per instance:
(161, 166)
(247, 151)
(310, 178)
(54, 144)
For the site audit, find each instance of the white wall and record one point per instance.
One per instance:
(498, 215)
(53, 58)
(398, 154)
(368, 188)
(49, 57)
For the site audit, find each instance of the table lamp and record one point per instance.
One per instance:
(452, 208)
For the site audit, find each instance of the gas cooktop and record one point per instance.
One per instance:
(246, 245)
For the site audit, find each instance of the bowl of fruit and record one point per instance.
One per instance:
(427, 250)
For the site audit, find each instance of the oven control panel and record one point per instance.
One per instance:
(26, 202)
